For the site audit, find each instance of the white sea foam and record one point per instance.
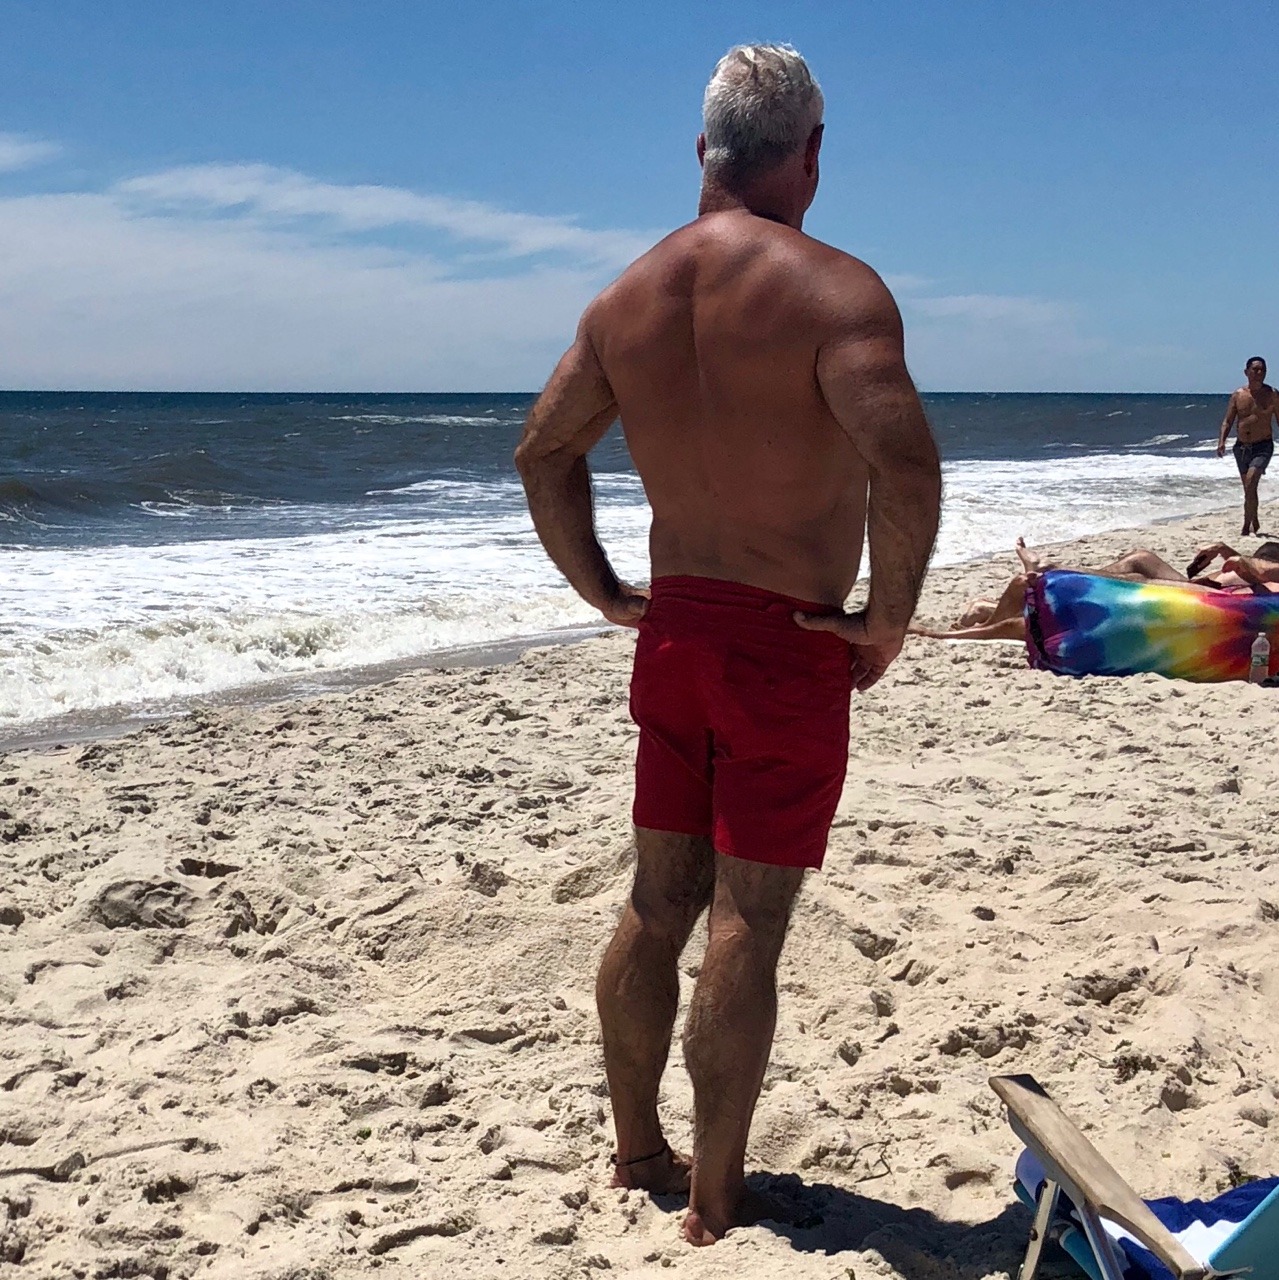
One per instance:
(1155, 441)
(439, 419)
(91, 628)
(988, 504)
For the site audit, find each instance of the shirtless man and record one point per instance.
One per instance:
(1251, 410)
(760, 380)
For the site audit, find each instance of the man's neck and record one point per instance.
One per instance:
(757, 200)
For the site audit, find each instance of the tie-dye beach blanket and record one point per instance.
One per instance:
(1081, 625)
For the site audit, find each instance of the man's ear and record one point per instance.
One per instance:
(701, 149)
(812, 147)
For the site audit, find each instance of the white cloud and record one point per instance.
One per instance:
(282, 196)
(19, 152)
(249, 277)
(992, 308)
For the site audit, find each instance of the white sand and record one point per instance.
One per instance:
(310, 987)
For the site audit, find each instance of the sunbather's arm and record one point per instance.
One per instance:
(1206, 555)
(1258, 574)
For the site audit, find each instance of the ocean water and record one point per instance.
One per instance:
(159, 548)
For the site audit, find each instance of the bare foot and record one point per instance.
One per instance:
(665, 1174)
(703, 1227)
(1029, 560)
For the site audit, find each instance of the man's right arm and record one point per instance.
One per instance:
(1232, 412)
(570, 417)
(861, 370)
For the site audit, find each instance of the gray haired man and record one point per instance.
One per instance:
(760, 380)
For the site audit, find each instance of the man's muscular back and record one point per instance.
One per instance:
(711, 346)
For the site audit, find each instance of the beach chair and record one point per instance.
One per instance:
(1107, 1228)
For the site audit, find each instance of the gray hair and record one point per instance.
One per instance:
(761, 105)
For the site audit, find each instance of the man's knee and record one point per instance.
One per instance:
(666, 908)
(753, 901)
(1140, 562)
(673, 881)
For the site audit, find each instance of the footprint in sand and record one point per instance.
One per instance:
(143, 904)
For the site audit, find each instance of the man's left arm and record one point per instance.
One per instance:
(569, 419)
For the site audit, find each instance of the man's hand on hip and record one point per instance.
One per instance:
(627, 606)
(873, 647)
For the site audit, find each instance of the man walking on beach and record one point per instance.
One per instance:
(1251, 410)
(760, 380)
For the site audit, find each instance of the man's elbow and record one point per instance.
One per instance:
(531, 455)
(535, 463)
(524, 459)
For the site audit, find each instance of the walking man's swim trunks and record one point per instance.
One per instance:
(1254, 456)
(743, 719)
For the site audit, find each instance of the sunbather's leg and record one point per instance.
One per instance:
(1009, 604)
(1032, 561)
(975, 613)
(1140, 566)
(1002, 622)
(1004, 629)
(1136, 566)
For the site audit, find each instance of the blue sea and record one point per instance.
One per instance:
(156, 549)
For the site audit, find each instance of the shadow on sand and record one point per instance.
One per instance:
(830, 1220)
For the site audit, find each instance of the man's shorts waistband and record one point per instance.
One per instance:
(719, 591)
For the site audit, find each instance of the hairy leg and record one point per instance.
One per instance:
(1140, 566)
(729, 1035)
(637, 992)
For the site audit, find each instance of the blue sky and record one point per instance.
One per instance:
(417, 196)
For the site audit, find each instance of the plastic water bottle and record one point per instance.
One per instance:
(1260, 667)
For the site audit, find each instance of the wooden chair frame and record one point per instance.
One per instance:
(1074, 1166)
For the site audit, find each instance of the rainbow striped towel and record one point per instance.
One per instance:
(1081, 625)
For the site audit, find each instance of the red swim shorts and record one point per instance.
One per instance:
(743, 719)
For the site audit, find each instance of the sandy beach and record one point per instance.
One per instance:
(305, 991)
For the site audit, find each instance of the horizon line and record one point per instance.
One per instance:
(299, 391)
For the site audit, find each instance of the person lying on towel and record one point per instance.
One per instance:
(1004, 619)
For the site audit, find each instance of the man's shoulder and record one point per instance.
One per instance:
(821, 284)
(730, 234)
